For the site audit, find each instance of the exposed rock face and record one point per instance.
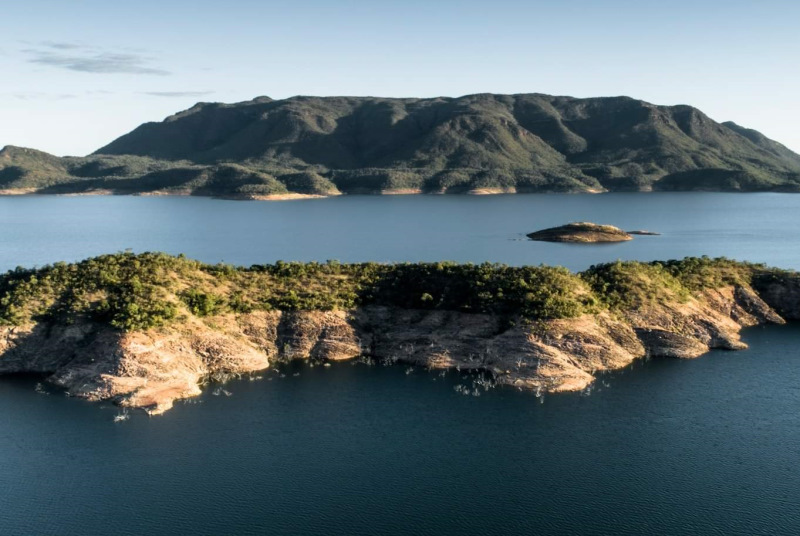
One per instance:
(152, 369)
(141, 369)
(782, 293)
(581, 233)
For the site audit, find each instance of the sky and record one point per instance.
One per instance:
(76, 74)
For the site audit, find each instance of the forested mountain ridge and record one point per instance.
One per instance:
(475, 143)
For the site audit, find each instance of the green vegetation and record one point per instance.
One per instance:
(129, 292)
(135, 292)
(698, 273)
(635, 284)
(315, 145)
(534, 292)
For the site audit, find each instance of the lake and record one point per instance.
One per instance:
(706, 446)
(758, 227)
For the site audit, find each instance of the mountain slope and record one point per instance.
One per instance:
(529, 142)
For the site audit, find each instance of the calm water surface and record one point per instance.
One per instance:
(37, 230)
(707, 446)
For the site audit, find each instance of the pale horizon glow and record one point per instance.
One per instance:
(76, 75)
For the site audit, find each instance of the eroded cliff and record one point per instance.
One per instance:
(151, 366)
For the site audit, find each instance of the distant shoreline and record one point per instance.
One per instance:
(294, 196)
(481, 144)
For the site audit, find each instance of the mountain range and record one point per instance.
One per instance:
(482, 143)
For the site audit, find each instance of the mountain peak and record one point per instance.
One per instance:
(522, 140)
(480, 142)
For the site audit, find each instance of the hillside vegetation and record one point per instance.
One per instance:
(146, 330)
(328, 145)
(135, 292)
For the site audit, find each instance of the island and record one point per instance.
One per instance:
(145, 330)
(308, 146)
(581, 233)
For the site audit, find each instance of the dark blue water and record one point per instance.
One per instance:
(669, 447)
(708, 446)
(37, 230)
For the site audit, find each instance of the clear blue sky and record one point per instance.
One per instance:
(78, 73)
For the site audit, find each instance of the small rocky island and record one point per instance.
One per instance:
(146, 330)
(581, 233)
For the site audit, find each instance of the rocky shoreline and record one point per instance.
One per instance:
(152, 368)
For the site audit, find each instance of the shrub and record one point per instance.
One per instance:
(201, 303)
(140, 291)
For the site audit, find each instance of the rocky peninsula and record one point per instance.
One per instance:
(146, 330)
(581, 233)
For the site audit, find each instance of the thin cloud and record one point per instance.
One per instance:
(38, 95)
(88, 60)
(177, 93)
(62, 45)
